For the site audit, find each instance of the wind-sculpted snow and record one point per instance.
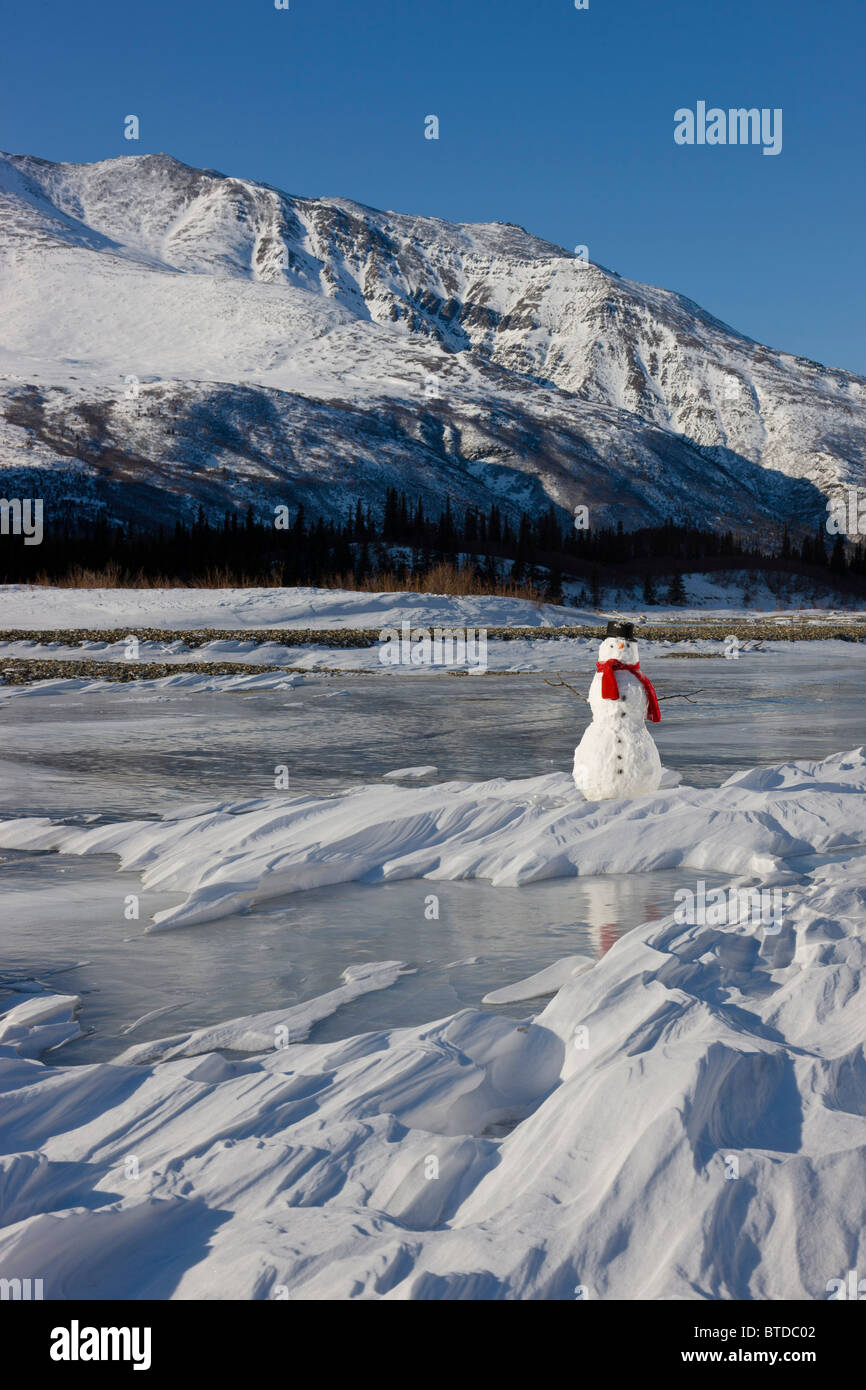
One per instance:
(508, 832)
(279, 1027)
(686, 1119)
(318, 349)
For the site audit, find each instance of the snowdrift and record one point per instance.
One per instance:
(226, 858)
(686, 1119)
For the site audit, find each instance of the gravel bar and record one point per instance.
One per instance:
(847, 630)
(25, 671)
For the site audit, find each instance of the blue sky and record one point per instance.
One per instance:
(559, 119)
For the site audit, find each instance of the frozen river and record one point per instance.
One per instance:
(136, 753)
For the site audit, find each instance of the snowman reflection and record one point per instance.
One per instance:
(609, 912)
(617, 756)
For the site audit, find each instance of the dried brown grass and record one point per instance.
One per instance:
(442, 578)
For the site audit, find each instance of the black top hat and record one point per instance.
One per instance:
(623, 630)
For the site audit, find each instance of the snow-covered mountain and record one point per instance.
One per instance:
(174, 336)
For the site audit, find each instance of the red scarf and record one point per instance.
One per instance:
(610, 689)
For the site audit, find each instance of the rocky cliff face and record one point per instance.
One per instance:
(175, 336)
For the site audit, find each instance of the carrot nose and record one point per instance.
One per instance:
(621, 645)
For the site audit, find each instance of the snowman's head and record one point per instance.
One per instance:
(619, 644)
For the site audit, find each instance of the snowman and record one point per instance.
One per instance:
(617, 756)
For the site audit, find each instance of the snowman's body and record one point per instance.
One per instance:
(617, 755)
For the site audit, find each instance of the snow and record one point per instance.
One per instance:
(504, 655)
(229, 857)
(30, 607)
(683, 1120)
(277, 1027)
(44, 609)
(190, 683)
(244, 613)
(301, 326)
(551, 656)
(409, 774)
(39, 1023)
(547, 981)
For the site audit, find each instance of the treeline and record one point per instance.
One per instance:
(402, 539)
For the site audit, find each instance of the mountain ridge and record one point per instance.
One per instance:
(475, 360)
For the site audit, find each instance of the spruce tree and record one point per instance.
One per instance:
(554, 585)
(838, 563)
(677, 590)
